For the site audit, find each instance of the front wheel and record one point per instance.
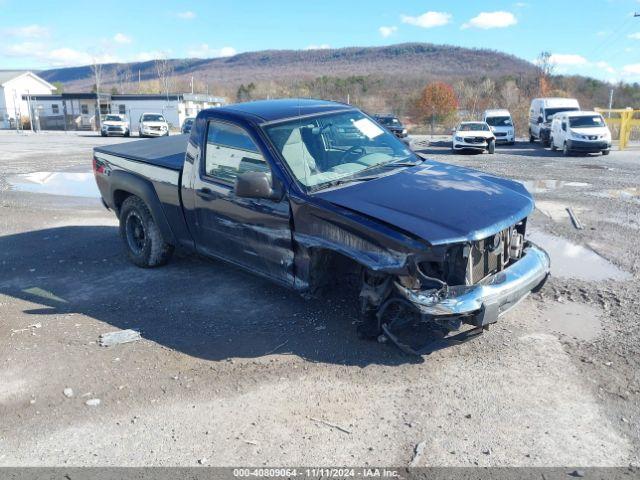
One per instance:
(531, 138)
(605, 152)
(552, 144)
(492, 147)
(142, 238)
(565, 150)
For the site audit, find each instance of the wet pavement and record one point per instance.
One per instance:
(69, 184)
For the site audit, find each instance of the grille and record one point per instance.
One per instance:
(500, 134)
(488, 256)
(474, 139)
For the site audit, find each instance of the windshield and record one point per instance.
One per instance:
(321, 150)
(499, 121)
(152, 118)
(112, 118)
(550, 112)
(473, 127)
(586, 122)
(389, 121)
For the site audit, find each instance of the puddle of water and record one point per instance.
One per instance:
(569, 260)
(56, 183)
(542, 186)
(574, 320)
(594, 167)
(631, 193)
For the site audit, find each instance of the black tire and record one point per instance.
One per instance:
(492, 147)
(531, 138)
(565, 150)
(605, 152)
(142, 238)
(103, 134)
(127, 133)
(552, 145)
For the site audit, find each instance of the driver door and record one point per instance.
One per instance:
(251, 232)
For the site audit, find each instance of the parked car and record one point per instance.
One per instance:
(584, 132)
(309, 193)
(113, 124)
(393, 124)
(153, 125)
(473, 136)
(541, 113)
(187, 124)
(501, 124)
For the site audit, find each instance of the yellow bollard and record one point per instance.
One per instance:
(625, 121)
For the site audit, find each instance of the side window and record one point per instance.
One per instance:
(55, 109)
(122, 109)
(564, 126)
(230, 151)
(84, 109)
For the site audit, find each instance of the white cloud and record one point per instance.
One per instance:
(322, 46)
(633, 69)
(635, 36)
(428, 19)
(204, 51)
(188, 15)
(121, 38)
(487, 20)
(150, 55)
(387, 31)
(605, 66)
(28, 31)
(57, 57)
(567, 59)
(521, 4)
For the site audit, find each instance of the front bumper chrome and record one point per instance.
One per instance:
(489, 299)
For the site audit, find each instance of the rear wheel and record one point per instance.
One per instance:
(553, 146)
(565, 150)
(142, 238)
(531, 137)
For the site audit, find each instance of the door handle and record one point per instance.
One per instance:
(205, 193)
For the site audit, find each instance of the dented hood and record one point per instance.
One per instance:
(437, 202)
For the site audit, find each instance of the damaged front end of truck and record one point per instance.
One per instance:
(417, 295)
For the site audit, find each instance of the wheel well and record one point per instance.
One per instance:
(119, 196)
(327, 266)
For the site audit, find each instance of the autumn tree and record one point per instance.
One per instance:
(437, 102)
(545, 70)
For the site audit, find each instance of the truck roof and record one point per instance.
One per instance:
(282, 109)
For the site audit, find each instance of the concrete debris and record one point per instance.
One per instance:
(92, 402)
(418, 451)
(577, 473)
(68, 392)
(116, 338)
(574, 219)
(27, 329)
(202, 461)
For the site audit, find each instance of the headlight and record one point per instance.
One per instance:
(404, 131)
(458, 139)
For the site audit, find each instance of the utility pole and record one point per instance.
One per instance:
(610, 101)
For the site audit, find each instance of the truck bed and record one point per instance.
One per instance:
(167, 152)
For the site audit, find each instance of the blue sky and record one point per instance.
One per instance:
(600, 38)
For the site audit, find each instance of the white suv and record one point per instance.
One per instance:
(473, 136)
(153, 125)
(501, 125)
(584, 132)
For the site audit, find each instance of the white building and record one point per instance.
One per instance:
(15, 85)
(76, 111)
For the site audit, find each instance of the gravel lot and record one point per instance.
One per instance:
(232, 370)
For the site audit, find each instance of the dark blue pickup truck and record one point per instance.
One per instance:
(308, 193)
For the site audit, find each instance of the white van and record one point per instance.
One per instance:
(501, 125)
(541, 112)
(584, 132)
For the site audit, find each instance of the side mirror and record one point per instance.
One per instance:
(540, 120)
(256, 185)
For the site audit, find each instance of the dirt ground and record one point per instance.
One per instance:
(232, 370)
